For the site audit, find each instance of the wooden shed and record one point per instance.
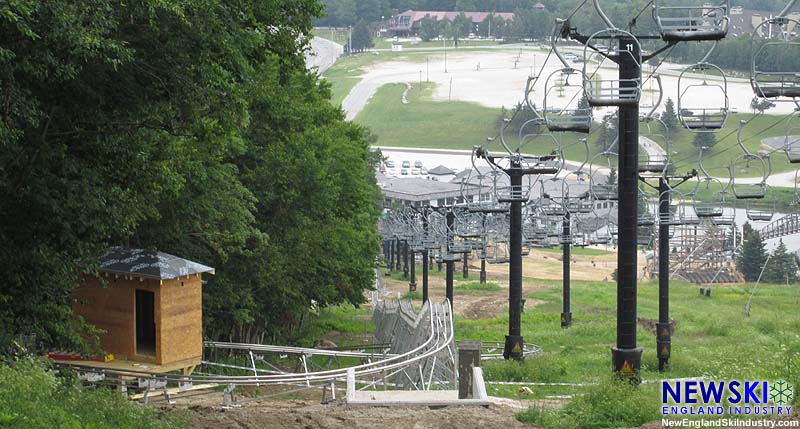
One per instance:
(150, 306)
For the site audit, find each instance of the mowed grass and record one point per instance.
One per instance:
(426, 123)
(338, 35)
(460, 125)
(713, 337)
(344, 74)
(718, 158)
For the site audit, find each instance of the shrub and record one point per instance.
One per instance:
(32, 396)
(608, 405)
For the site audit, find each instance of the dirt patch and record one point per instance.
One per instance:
(650, 324)
(302, 414)
(545, 265)
(483, 308)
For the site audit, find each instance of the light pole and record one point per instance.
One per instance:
(444, 46)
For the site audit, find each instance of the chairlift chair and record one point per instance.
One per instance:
(498, 256)
(797, 186)
(697, 21)
(791, 143)
(724, 220)
(600, 188)
(646, 219)
(600, 238)
(746, 168)
(581, 240)
(711, 117)
(677, 213)
(611, 92)
(707, 209)
(645, 236)
(760, 213)
(564, 119)
(769, 76)
(655, 163)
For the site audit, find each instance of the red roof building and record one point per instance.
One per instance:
(409, 21)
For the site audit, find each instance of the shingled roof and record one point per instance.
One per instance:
(148, 264)
(441, 171)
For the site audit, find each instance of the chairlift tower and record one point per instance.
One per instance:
(663, 326)
(514, 343)
(626, 355)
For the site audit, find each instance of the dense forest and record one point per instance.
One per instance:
(191, 127)
(341, 13)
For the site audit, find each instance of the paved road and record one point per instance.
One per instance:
(777, 143)
(323, 54)
(653, 149)
(359, 96)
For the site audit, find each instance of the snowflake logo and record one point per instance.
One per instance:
(781, 392)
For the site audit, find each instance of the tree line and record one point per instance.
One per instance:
(754, 261)
(191, 127)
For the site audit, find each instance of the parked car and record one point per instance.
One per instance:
(404, 172)
(390, 163)
(406, 164)
(423, 171)
(418, 164)
(415, 171)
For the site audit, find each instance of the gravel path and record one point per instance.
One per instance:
(305, 414)
(323, 54)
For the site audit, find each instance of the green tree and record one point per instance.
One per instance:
(706, 140)
(345, 12)
(612, 176)
(188, 127)
(460, 27)
(362, 38)
(608, 134)
(669, 116)
(429, 29)
(752, 256)
(782, 267)
(583, 103)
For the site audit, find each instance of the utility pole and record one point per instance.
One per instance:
(405, 259)
(397, 256)
(514, 340)
(465, 266)
(626, 357)
(425, 258)
(514, 344)
(390, 245)
(663, 327)
(444, 46)
(450, 258)
(412, 284)
(566, 315)
(483, 249)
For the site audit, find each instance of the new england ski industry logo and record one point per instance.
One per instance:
(733, 397)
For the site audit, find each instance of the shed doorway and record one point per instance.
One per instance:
(145, 323)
